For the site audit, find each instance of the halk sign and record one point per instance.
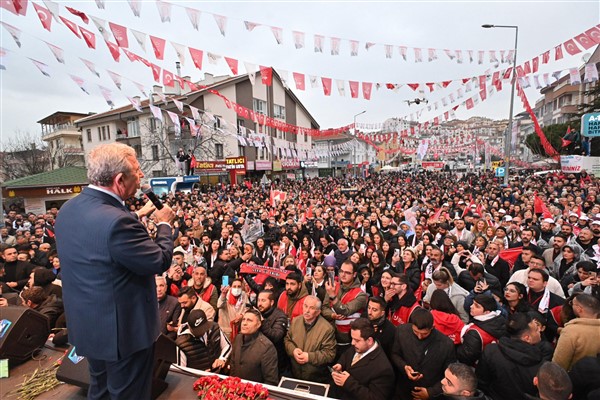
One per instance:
(590, 125)
(571, 164)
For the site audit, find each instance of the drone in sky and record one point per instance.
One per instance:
(417, 101)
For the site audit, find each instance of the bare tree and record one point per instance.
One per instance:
(164, 140)
(61, 156)
(24, 155)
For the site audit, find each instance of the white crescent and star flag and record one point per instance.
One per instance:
(101, 26)
(251, 70)
(53, 8)
(158, 45)
(17, 7)
(179, 50)
(71, 25)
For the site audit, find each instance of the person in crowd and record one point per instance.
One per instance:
(541, 299)
(44, 278)
(507, 368)
(574, 341)
(488, 327)
(188, 300)
(445, 316)
(553, 382)
(204, 344)
(420, 355)
(460, 383)
(515, 299)
(310, 343)
(291, 299)
(15, 273)
(232, 305)
(537, 262)
(363, 371)
(48, 305)
(169, 308)
(404, 302)
(274, 326)
(253, 356)
(345, 303)
(496, 265)
(203, 286)
(584, 376)
(442, 279)
(384, 329)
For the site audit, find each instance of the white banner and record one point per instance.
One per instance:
(571, 164)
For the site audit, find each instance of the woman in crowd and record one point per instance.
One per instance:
(445, 315)
(232, 304)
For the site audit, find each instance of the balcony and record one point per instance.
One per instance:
(50, 132)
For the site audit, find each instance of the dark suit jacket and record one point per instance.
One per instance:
(108, 264)
(169, 311)
(371, 378)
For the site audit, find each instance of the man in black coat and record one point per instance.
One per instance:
(385, 331)
(169, 309)
(495, 265)
(16, 273)
(363, 371)
(507, 368)
(274, 326)
(420, 354)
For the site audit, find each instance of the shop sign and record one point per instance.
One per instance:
(236, 163)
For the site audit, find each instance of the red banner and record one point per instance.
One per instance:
(253, 269)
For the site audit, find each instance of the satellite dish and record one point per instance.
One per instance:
(586, 57)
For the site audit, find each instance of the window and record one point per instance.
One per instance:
(279, 134)
(240, 124)
(89, 135)
(155, 153)
(153, 125)
(279, 112)
(217, 123)
(108, 131)
(103, 133)
(138, 150)
(241, 151)
(219, 151)
(260, 106)
(263, 153)
(99, 134)
(133, 127)
(305, 138)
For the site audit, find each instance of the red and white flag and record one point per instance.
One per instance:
(179, 51)
(140, 37)
(71, 25)
(45, 16)
(233, 65)
(250, 25)
(251, 71)
(80, 14)
(100, 4)
(174, 118)
(196, 57)
(107, 94)
(158, 45)
(299, 80)
(353, 89)
(80, 82)
(469, 103)
(156, 112)
(431, 55)
(132, 56)
(319, 43)
(354, 48)
(403, 50)
(195, 113)
(266, 74)
(17, 7)
(114, 50)
(366, 89)
(571, 47)
(179, 105)
(120, 34)
(594, 34)
(335, 46)
(88, 37)
(135, 103)
(558, 54)
(418, 55)
(389, 50)
(101, 26)
(168, 79)
(341, 86)
(41, 66)
(326, 86)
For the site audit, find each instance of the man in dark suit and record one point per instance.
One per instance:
(169, 309)
(363, 371)
(16, 273)
(108, 264)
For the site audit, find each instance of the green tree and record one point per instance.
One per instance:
(553, 133)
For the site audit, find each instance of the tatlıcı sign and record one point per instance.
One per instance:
(571, 164)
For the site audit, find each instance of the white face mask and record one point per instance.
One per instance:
(236, 291)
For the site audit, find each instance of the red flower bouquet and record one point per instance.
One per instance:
(215, 388)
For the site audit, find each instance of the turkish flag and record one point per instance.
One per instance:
(196, 57)
(120, 34)
(114, 50)
(168, 78)
(469, 103)
(571, 47)
(89, 37)
(233, 65)
(156, 72)
(413, 86)
(71, 25)
(17, 7)
(80, 14)
(158, 45)
(45, 16)
(564, 143)
(540, 208)
(511, 255)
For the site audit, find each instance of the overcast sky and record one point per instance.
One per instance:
(27, 96)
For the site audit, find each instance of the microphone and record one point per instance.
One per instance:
(147, 190)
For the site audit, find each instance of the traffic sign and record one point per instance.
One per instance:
(500, 172)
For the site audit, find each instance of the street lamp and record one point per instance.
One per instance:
(507, 141)
(355, 142)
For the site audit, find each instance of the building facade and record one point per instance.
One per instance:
(63, 138)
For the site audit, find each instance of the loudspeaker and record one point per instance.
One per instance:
(22, 332)
(74, 369)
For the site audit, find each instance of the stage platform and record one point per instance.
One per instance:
(180, 382)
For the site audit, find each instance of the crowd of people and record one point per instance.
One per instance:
(403, 285)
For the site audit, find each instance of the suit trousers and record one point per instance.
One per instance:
(128, 378)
